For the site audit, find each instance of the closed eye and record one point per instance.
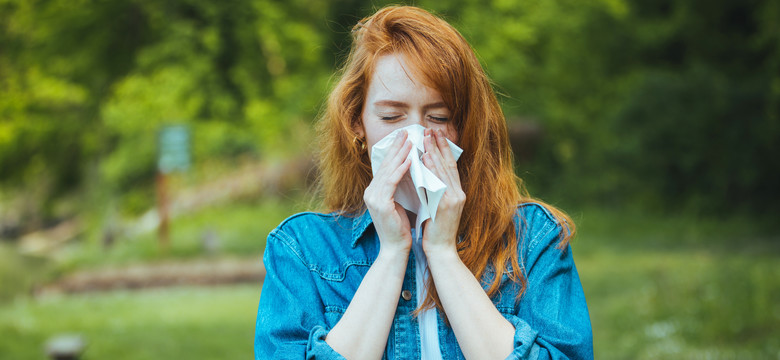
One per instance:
(390, 118)
(437, 118)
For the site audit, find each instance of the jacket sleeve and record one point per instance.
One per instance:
(552, 321)
(290, 317)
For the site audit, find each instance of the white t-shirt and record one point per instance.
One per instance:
(429, 330)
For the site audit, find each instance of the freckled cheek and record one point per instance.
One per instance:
(377, 135)
(375, 130)
(449, 132)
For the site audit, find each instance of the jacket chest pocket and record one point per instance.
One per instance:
(337, 286)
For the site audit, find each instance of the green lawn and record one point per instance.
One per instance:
(675, 287)
(240, 229)
(680, 287)
(172, 323)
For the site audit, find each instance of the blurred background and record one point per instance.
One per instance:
(148, 147)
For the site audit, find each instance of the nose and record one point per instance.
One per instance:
(418, 118)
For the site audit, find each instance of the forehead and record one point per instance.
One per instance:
(394, 79)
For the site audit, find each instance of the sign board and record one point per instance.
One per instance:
(173, 148)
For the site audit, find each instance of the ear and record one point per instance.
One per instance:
(357, 127)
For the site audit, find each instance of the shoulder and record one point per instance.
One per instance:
(321, 241)
(309, 221)
(296, 229)
(537, 227)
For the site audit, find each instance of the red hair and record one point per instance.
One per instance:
(441, 58)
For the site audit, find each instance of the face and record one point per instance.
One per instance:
(395, 99)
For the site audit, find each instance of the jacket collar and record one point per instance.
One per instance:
(360, 224)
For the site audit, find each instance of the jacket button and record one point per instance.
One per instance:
(406, 294)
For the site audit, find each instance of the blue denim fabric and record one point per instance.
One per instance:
(315, 263)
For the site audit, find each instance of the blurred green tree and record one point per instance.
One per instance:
(659, 103)
(663, 103)
(90, 83)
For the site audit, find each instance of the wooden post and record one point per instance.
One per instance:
(162, 211)
(173, 155)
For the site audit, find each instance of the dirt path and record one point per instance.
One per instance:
(192, 272)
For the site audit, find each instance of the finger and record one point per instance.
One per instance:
(398, 173)
(391, 176)
(447, 161)
(434, 162)
(397, 153)
(448, 170)
(428, 161)
(444, 148)
(378, 186)
(390, 183)
(428, 143)
(401, 156)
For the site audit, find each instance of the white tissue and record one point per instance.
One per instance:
(419, 190)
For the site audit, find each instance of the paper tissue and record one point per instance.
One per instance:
(419, 190)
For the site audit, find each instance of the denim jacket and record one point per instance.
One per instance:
(315, 263)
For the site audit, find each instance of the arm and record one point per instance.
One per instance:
(363, 330)
(482, 332)
(291, 315)
(291, 320)
(552, 319)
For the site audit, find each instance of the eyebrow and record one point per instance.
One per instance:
(398, 104)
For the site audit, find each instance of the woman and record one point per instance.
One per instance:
(499, 280)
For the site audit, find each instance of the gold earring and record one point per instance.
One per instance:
(360, 143)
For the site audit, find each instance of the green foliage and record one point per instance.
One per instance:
(644, 104)
(671, 104)
(649, 102)
(92, 82)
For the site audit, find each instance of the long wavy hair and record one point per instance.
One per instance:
(442, 59)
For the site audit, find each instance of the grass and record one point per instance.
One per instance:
(680, 287)
(172, 323)
(658, 287)
(19, 273)
(240, 229)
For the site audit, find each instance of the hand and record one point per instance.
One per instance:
(440, 236)
(390, 219)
